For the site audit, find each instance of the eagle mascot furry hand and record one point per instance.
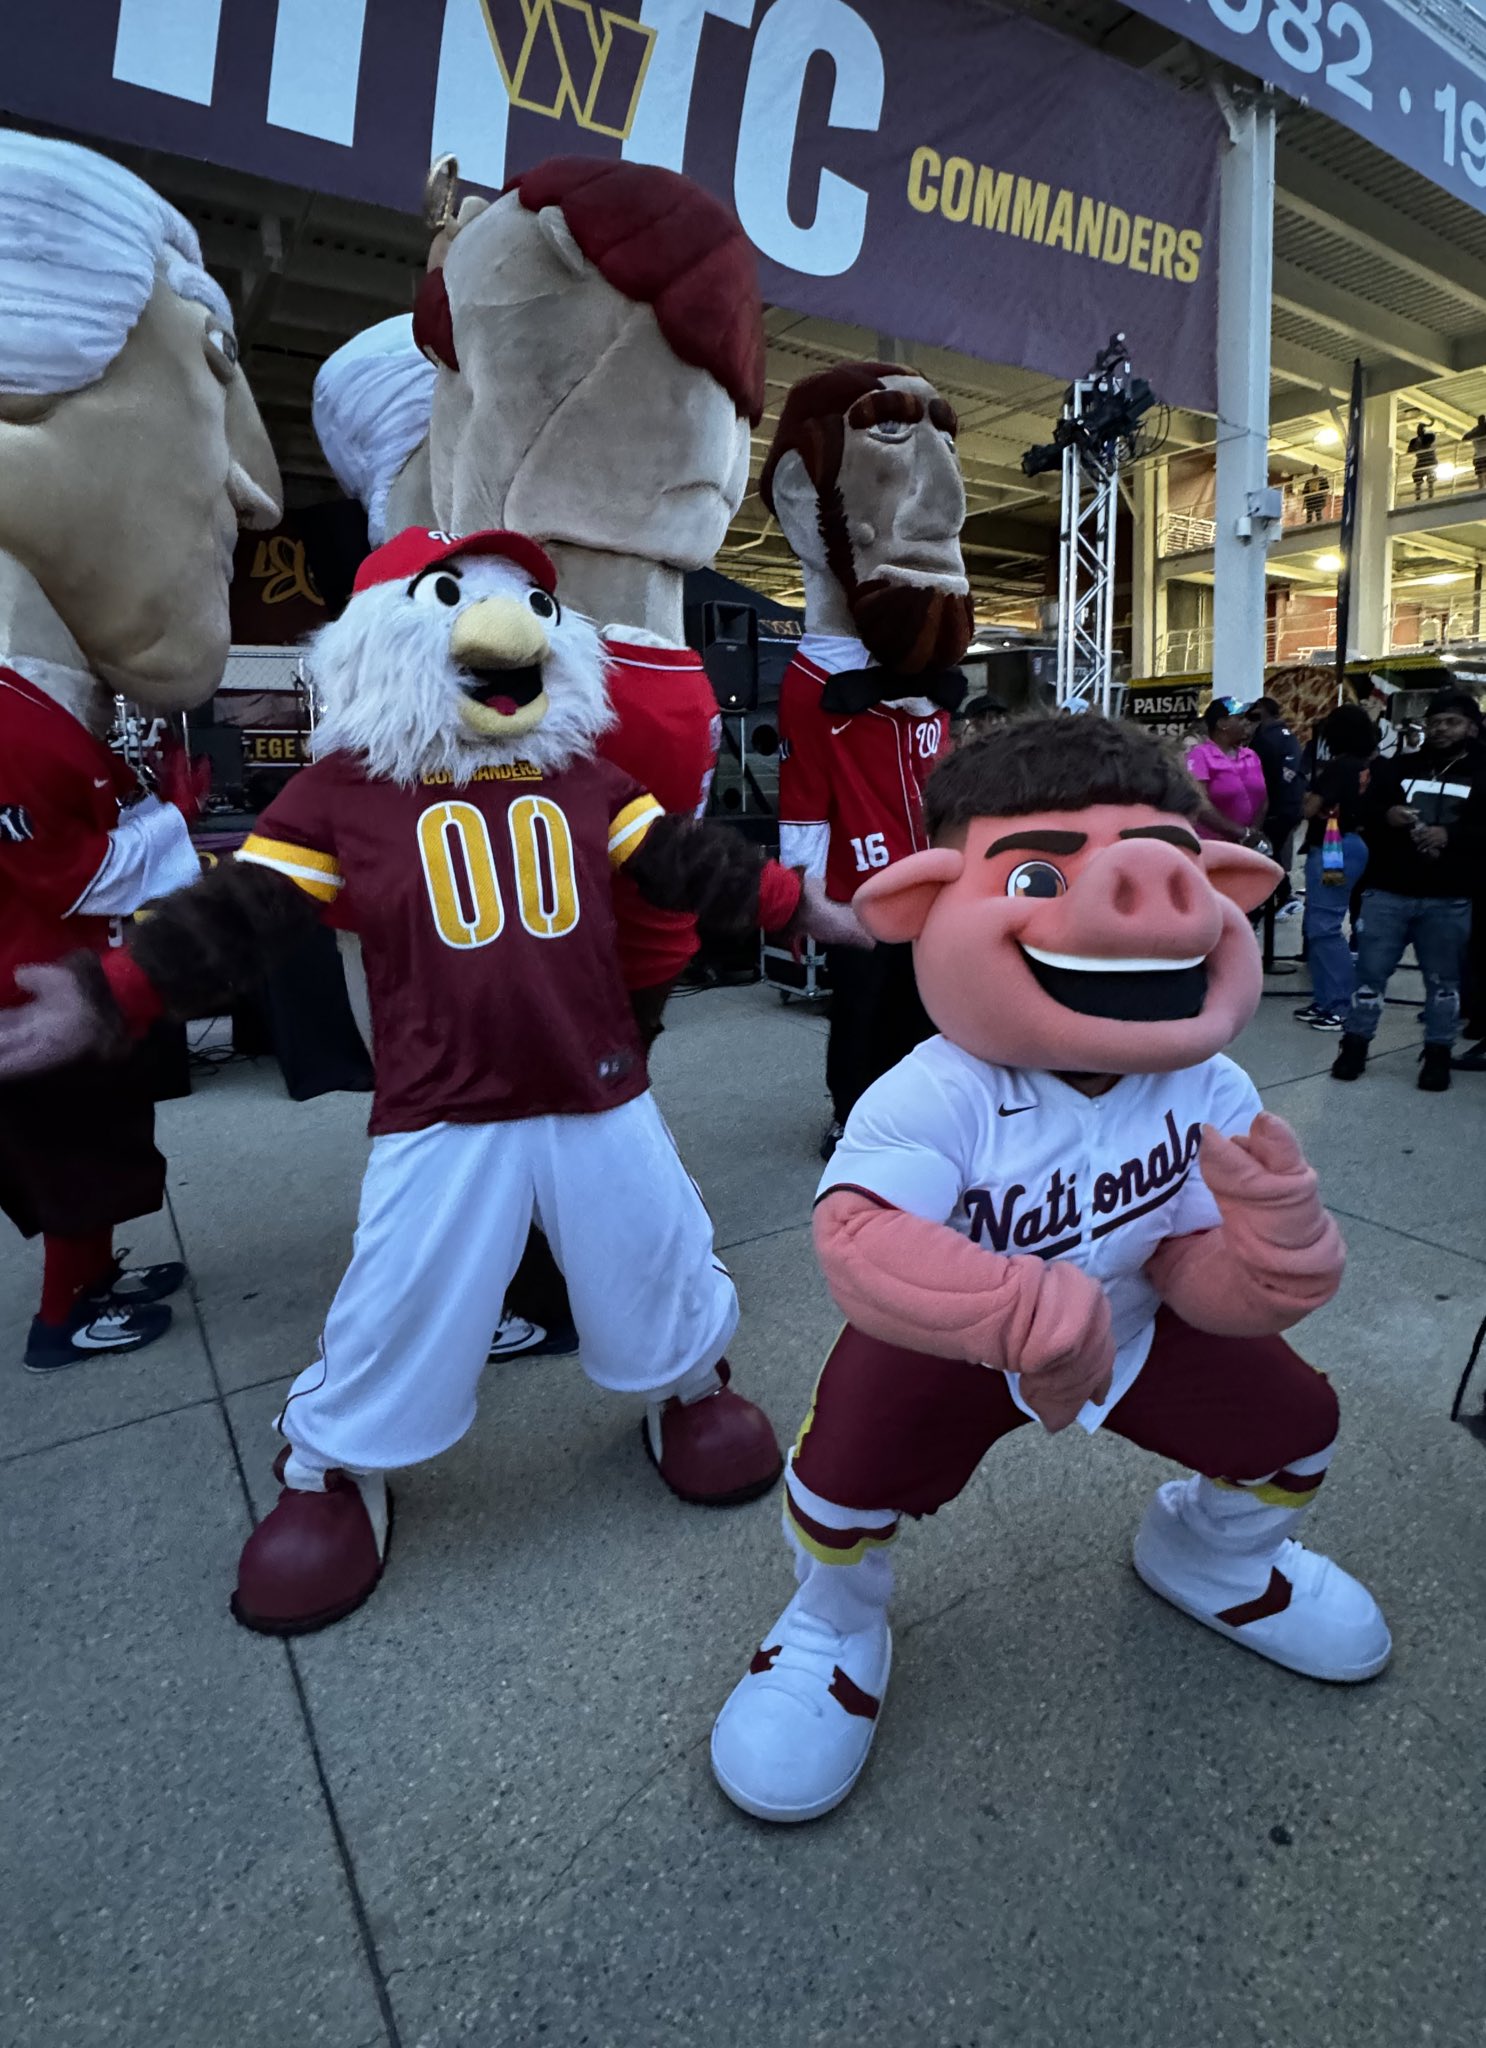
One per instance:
(457, 820)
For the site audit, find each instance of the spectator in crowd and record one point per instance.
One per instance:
(1423, 448)
(1230, 774)
(1335, 860)
(1477, 439)
(1314, 493)
(1279, 754)
(980, 716)
(1424, 820)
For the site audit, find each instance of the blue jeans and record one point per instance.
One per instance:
(1439, 928)
(1333, 972)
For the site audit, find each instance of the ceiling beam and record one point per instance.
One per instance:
(1298, 291)
(1308, 366)
(1380, 230)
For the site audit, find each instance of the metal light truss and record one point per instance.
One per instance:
(1086, 567)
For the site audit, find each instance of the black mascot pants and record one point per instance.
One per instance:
(876, 1019)
(77, 1147)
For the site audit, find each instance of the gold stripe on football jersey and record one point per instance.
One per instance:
(318, 874)
(627, 833)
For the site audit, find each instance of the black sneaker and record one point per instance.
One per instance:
(1434, 1069)
(1351, 1059)
(91, 1329)
(133, 1286)
(1327, 1020)
(1308, 1012)
(831, 1137)
(518, 1337)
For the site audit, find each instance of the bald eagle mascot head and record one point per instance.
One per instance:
(454, 654)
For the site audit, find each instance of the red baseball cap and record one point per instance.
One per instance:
(418, 548)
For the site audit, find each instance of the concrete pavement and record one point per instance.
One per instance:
(479, 1812)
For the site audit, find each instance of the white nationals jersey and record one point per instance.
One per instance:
(1022, 1163)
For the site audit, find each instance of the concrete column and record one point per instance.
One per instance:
(1147, 590)
(1247, 512)
(1372, 549)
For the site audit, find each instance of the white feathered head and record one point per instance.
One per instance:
(454, 654)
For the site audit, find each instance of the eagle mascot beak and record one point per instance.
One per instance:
(501, 650)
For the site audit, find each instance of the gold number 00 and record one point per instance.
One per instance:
(542, 853)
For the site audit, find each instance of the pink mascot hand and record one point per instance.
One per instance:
(828, 923)
(66, 1019)
(1066, 1356)
(1277, 1255)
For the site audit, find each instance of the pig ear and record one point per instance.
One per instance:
(895, 904)
(1237, 872)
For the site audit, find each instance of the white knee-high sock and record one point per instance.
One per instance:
(1249, 1520)
(842, 1567)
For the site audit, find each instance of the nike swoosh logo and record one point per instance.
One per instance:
(100, 782)
(1021, 1110)
(85, 1340)
(837, 730)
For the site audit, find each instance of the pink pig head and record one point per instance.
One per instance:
(1066, 915)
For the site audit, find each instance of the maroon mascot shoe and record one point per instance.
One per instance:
(314, 1559)
(716, 1452)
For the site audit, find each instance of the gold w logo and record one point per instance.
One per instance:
(570, 56)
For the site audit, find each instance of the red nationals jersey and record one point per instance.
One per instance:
(860, 777)
(487, 927)
(667, 738)
(61, 791)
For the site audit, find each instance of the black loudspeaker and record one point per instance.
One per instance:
(730, 654)
(1020, 678)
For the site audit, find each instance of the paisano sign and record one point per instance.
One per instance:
(937, 169)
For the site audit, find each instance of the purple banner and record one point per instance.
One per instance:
(940, 171)
(1367, 65)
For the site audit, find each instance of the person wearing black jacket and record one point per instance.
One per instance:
(1424, 819)
(1280, 757)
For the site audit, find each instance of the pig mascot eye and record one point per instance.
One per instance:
(1035, 878)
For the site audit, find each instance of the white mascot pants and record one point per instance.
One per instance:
(443, 1222)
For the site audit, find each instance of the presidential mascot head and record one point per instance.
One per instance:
(455, 654)
(1066, 916)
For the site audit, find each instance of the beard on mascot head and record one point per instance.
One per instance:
(876, 443)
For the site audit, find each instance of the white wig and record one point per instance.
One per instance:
(82, 242)
(372, 406)
(390, 692)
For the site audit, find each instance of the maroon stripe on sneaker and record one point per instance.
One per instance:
(1273, 1600)
(763, 1660)
(847, 1693)
(837, 1539)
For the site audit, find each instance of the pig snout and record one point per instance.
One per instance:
(1141, 900)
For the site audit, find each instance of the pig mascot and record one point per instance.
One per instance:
(1067, 1207)
(863, 477)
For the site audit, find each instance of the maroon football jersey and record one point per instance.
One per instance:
(486, 918)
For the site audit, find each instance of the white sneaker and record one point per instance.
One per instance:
(795, 1733)
(1309, 1615)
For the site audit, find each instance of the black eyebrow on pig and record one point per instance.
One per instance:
(1174, 835)
(1038, 842)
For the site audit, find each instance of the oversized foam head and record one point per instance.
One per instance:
(865, 482)
(131, 451)
(372, 405)
(602, 342)
(454, 654)
(1067, 916)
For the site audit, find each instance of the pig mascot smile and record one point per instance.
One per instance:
(1067, 1207)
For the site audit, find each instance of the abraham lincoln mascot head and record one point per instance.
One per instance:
(865, 483)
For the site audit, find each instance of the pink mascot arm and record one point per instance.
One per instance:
(921, 1285)
(1277, 1254)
